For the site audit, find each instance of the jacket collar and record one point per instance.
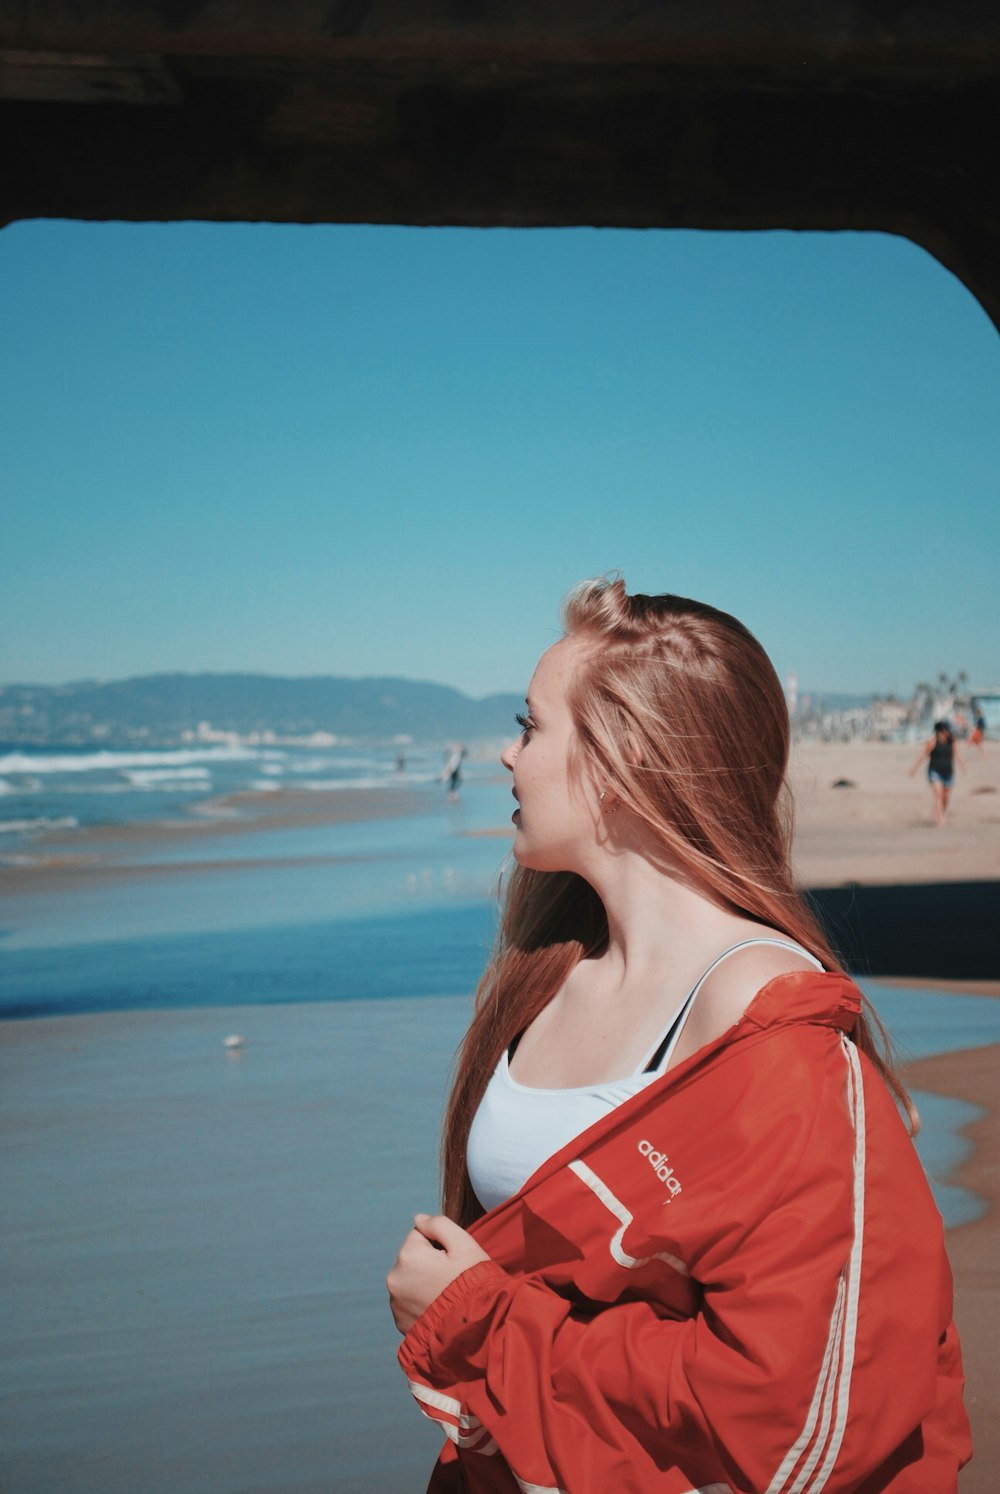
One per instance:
(815, 997)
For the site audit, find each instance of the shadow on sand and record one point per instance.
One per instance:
(946, 929)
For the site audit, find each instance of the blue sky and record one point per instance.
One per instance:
(361, 450)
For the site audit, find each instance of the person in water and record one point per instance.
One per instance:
(686, 1243)
(451, 773)
(940, 754)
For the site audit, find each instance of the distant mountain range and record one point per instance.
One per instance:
(164, 709)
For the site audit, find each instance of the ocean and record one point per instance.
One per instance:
(194, 879)
(65, 789)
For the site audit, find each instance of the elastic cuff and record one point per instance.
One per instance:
(484, 1277)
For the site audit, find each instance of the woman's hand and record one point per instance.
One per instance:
(434, 1252)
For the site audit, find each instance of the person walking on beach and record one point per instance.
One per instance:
(940, 754)
(978, 733)
(686, 1242)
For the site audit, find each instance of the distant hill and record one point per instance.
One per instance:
(165, 709)
(162, 708)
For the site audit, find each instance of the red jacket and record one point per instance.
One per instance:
(735, 1283)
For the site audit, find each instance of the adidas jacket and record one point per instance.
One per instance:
(735, 1283)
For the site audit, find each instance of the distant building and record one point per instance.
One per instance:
(792, 693)
(887, 717)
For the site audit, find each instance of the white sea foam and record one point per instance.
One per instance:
(164, 777)
(330, 760)
(90, 788)
(324, 785)
(91, 762)
(20, 827)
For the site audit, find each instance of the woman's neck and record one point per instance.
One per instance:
(657, 917)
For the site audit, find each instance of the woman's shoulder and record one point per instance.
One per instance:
(752, 962)
(731, 985)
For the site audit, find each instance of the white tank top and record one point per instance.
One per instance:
(518, 1127)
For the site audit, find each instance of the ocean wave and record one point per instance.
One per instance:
(332, 760)
(5, 787)
(324, 785)
(89, 789)
(21, 827)
(164, 777)
(92, 762)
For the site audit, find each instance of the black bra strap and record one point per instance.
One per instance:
(660, 1054)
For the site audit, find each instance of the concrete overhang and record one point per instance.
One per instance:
(724, 114)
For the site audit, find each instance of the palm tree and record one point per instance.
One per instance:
(925, 698)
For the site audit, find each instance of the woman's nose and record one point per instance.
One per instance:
(509, 755)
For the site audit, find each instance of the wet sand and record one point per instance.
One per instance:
(974, 1250)
(196, 1238)
(195, 1243)
(62, 860)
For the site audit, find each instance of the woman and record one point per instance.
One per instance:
(722, 1271)
(940, 754)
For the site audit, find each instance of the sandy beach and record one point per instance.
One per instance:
(197, 1236)
(878, 828)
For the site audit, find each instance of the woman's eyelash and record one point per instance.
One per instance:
(523, 722)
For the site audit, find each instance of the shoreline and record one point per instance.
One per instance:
(62, 860)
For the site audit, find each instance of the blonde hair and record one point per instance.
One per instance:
(678, 709)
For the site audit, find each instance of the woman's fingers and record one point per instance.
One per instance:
(441, 1230)
(434, 1253)
(443, 1233)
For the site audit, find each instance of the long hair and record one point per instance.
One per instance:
(678, 709)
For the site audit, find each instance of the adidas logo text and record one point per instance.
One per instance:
(658, 1161)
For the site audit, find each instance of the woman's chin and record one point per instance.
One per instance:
(533, 859)
(522, 853)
